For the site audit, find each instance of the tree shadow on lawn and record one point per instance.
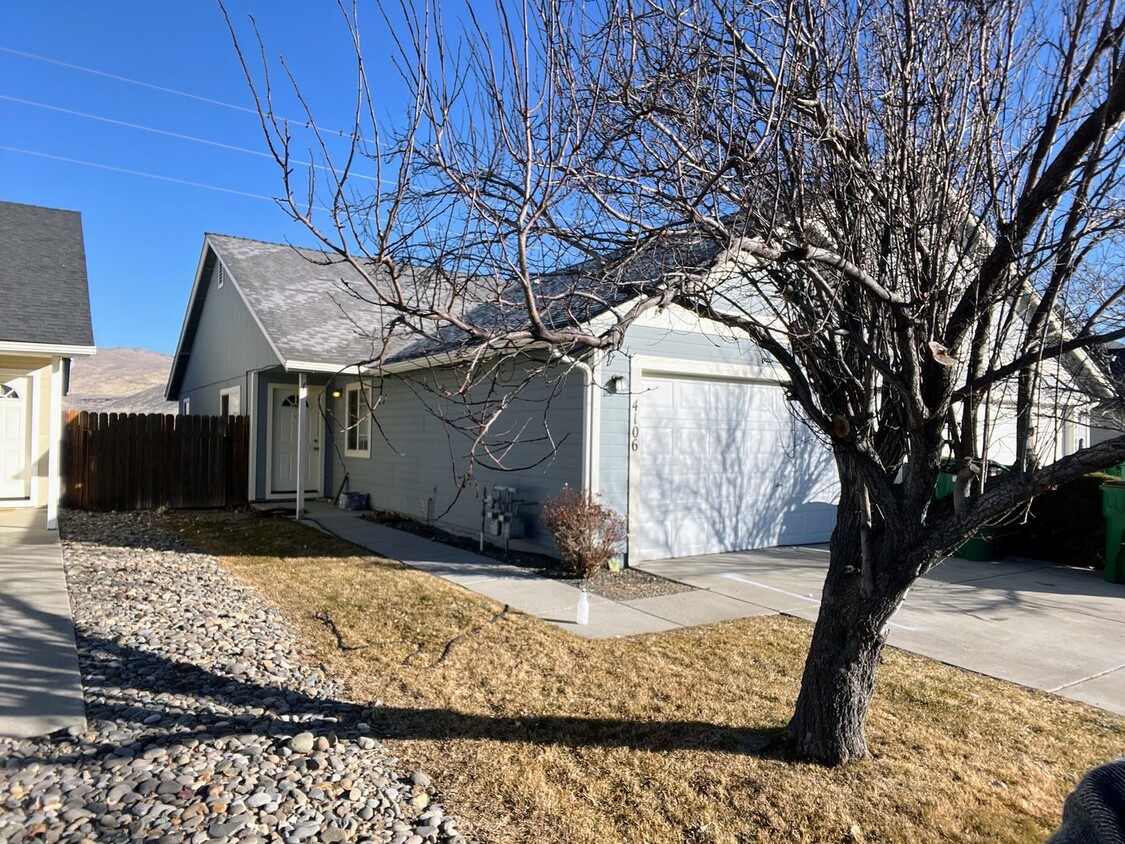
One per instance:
(153, 674)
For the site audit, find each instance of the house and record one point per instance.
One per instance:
(723, 465)
(44, 324)
(1109, 416)
(685, 430)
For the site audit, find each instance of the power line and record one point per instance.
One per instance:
(177, 135)
(144, 175)
(165, 90)
(138, 82)
(129, 172)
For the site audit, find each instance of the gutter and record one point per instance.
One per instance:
(591, 419)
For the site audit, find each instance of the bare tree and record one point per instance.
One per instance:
(914, 207)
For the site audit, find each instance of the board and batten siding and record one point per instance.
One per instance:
(227, 345)
(669, 335)
(415, 455)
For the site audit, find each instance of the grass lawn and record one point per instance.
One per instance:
(535, 735)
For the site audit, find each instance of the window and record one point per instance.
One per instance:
(230, 401)
(357, 416)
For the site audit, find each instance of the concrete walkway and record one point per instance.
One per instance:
(1054, 628)
(524, 590)
(40, 685)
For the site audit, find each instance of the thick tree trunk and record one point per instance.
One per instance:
(829, 723)
(830, 718)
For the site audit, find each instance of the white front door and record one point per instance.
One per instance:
(15, 438)
(283, 441)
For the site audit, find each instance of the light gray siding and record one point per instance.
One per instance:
(227, 345)
(417, 458)
(615, 410)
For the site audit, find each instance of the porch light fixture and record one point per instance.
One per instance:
(615, 384)
(336, 393)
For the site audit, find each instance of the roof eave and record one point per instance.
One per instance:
(65, 350)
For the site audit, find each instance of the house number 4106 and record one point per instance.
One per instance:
(635, 432)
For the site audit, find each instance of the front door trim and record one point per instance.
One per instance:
(314, 413)
(30, 386)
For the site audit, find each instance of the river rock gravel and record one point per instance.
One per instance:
(206, 720)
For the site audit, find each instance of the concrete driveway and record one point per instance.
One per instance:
(1050, 627)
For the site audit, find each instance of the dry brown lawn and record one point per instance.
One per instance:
(536, 735)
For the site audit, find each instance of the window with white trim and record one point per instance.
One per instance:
(357, 421)
(230, 401)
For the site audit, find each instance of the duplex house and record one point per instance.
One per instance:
(685, 430)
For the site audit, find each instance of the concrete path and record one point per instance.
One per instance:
(1050, 627)
(40, 686)
(524, 590)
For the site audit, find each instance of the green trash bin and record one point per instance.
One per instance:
(1117, 471)
(1113, 507)
(944, 485)
(984, 545)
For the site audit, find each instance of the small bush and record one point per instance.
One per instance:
(585, 531)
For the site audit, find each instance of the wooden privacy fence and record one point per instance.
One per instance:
(131, 461)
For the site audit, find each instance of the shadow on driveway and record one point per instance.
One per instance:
(1050, 627)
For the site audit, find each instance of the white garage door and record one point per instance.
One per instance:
(724, 466)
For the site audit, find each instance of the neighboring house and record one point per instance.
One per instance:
(686, 431)
(1109, 416)
(44, 324)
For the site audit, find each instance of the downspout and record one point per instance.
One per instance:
(590, 421)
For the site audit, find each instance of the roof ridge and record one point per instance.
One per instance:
(266, 242)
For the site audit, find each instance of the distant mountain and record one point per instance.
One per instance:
(120, 380)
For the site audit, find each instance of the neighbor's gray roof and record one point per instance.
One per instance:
(43, 276)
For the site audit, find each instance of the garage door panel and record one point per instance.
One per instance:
(727, 468)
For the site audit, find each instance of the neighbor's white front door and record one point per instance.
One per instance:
(15, 438)
(283, 442)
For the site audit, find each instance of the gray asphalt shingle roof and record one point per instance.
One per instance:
(310, 305)
(43, 286)
(316, 308)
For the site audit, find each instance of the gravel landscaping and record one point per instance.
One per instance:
(206, 721)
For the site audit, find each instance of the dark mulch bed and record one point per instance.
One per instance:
(625, 585)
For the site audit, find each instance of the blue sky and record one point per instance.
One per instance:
(144, 235)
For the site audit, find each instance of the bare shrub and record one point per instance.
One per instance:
(586, 531)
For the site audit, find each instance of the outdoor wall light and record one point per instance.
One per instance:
(615, 384)
(336, 393)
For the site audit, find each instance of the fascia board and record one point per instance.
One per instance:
(65, 350)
